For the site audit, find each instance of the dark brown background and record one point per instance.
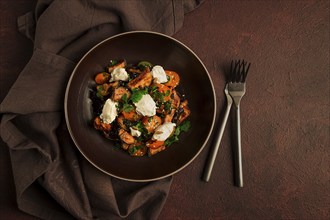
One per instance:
(285, 112)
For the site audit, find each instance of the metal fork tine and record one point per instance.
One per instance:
(234, 70)
(237, 72)
(230, 75)
(241, 72)
(246, 72)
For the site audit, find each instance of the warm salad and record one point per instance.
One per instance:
(138, 107)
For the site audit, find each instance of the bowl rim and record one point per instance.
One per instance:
(76, 142)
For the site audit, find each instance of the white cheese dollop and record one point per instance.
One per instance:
(159, 75)
(162, 132)
(135, 132)
(109, 111)
(119, 74)
(146, 106)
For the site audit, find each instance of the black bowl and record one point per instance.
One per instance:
(158, 49)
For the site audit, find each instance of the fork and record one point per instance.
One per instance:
(236, 89)
(213, 154)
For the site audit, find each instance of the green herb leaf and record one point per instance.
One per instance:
(168, 106)
(134, 149)
(144, 64)
(157, 96)
(123, 105)
(137, 94)
(99, 95)
(127, 107)
(177, 131)
(124, 98)
(171, 140)
(183, 127)
(153, 89)
(113, 62)
(101, 91)
(139, 126)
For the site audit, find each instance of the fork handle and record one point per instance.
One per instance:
(238, 174)
(214, 152)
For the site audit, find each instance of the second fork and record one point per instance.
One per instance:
(236, 89)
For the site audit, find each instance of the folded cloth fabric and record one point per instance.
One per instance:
(53, 181)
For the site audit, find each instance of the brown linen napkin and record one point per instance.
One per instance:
(53, 181)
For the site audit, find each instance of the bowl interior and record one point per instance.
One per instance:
(195, 84)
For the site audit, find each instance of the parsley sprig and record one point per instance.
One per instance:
(134, 149)
(124, 104)
(183, 127)
(138, 93)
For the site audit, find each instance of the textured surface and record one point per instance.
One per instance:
(284, 115)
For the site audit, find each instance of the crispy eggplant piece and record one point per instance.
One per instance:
(185, 111)
(120, 120)
(120, 64)
(175, 99)
(141, 81)
(152, 151)
(99, 125)
(102, 90)
(125, 136)
(151, 123)
(169, 116)
(137, 149)
(124, 146)
(175, 103)
(119, 92)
